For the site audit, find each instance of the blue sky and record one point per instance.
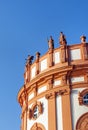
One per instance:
(25, 26)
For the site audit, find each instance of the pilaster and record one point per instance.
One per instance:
(51, 111)
(66, 111)
(24, 109)
(84, 51)
(63, 53)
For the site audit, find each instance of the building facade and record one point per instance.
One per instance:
(55, 91)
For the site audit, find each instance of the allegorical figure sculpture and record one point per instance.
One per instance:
(62, 39)
(51, 43)
(29, 59)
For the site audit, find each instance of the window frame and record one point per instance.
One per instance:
(81, 97)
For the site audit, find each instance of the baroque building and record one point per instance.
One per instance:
(55, 91)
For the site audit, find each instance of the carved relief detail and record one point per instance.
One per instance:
(37, 126)
(64, 92)
(50, 95)
(82, 123)
(59, 92)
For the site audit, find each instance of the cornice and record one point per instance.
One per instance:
(45, 75)
(79, 85)
(60, 90)
(57, 70)
(49, 72)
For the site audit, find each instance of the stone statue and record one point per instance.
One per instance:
(37, 55)
(29, 59)
(51, 43)
(62, 39)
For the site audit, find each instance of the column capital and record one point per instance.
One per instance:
(63, 92)
(50, 95)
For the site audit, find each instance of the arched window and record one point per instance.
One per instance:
(82, 123)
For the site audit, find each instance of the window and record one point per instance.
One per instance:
(36, 112)
(85, 99)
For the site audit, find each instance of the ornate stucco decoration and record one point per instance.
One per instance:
(35, 111)
(82, 123)
(83, 97)
(37, 126)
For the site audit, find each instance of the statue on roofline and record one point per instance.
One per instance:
(51, 43)
(62, 39)
(29, 60)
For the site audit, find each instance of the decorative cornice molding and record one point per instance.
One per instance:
(50, 72)
(41, 77)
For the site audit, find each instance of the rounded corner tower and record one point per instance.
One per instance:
(55, 92)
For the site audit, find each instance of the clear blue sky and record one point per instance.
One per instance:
(24, 28)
